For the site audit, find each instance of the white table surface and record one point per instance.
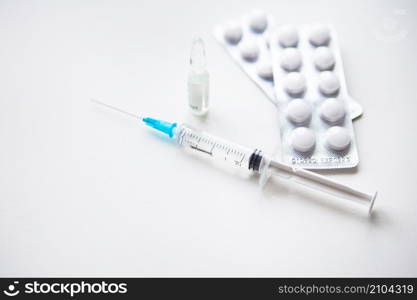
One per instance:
(88, 192)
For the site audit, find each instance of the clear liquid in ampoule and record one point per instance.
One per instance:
(198, 79)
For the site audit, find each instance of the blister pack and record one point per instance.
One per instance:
(314, 106)
(245, 39)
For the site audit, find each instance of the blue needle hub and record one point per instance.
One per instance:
(162, 126)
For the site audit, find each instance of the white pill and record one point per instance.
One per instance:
(328, 83)
(291, 59)
(332, 110)
(298, 111)
(258, 21)
(320, 35)
(249, 50)
(288, 36)
(264, 70)
(233, 32)
(337, 138)
(295, 83)
(323, 58)
(303, 139)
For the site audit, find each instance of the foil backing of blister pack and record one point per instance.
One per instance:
(321, 155)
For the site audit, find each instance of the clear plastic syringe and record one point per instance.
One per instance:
(239, 156)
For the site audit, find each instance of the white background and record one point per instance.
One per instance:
(88, 192)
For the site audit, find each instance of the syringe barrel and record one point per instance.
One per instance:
(217, 149)
(322, 183)
(235, 155)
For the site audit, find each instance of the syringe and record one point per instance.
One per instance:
(256, 161)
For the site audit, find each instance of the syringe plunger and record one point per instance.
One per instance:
(317, 182)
